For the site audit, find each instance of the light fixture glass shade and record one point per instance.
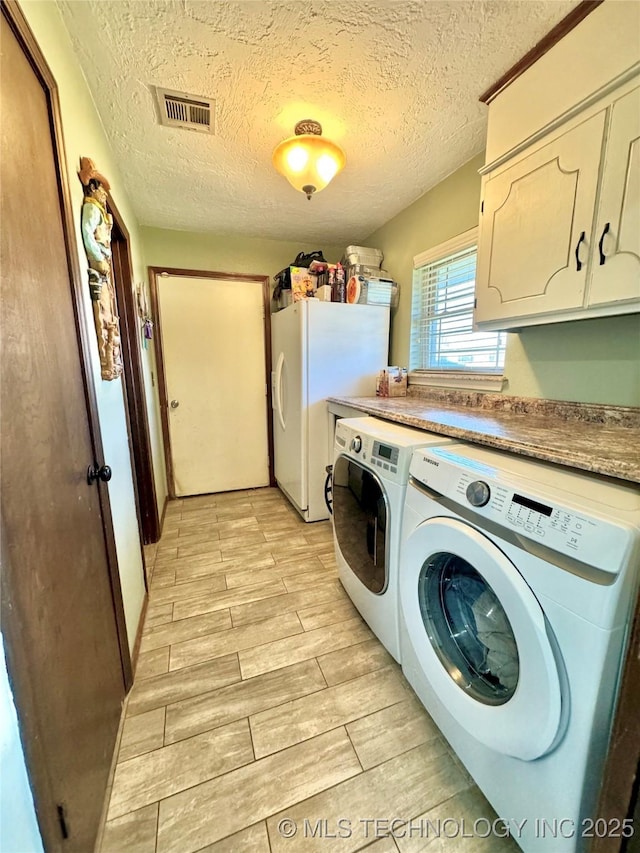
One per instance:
(309, 161)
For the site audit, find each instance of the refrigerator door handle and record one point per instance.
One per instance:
(278, 389)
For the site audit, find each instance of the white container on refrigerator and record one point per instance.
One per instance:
(320, 349)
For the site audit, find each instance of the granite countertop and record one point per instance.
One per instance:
(601, 439)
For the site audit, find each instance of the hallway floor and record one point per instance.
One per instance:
(263, 707)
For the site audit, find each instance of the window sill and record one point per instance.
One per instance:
(454, 379)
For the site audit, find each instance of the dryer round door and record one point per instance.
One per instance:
(481, 637)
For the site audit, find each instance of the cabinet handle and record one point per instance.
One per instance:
(603, 257)
(579, 243)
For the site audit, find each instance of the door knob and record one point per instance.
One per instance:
(94, 473)
(174, 404)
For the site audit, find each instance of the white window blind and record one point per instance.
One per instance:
(442, 336)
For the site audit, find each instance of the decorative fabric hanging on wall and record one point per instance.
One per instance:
(97, 223)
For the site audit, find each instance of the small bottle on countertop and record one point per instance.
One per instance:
(341, 287)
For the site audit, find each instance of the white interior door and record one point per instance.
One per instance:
(214, 361)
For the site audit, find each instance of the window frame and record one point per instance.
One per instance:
(479, 380)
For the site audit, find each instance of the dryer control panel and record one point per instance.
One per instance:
(384, 448)
(384, 457)
(513, 503)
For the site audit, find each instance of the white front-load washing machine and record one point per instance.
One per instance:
(370, 472)
(517, 583)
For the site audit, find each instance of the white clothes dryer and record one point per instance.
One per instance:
(370, 472)
(517, 583)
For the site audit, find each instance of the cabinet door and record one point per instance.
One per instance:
(535, 230)
(615, 274)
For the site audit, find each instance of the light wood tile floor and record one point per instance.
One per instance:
(263, 704)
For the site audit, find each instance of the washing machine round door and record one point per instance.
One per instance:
(481, 638)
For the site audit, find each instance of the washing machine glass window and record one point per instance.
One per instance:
(361, 517)
(468, 628)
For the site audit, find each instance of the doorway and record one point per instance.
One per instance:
(133, 382)
(62, 612)
(213, 349)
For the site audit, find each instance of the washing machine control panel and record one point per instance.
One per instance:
(558, 528)
(487, 491)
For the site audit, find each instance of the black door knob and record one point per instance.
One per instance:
(94, 473)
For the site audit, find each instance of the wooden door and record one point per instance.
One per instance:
(535, 229)
(615, 272)
(59, 600)
(134, 389)
(213, 344)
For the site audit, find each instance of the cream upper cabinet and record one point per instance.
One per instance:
(560, 223)
(535, 229)
(615, 272)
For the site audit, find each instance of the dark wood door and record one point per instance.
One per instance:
(135, 402)
(58, 598)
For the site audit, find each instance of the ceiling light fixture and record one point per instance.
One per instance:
(308, 160)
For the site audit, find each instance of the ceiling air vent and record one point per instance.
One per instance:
(178, 109)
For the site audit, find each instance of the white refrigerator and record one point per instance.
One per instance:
(319, 350)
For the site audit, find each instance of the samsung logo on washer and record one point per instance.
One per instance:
(430, 461)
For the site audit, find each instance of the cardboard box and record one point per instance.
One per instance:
(324, 293)
(392, 382)
(303, 283)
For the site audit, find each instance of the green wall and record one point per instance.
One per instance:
(216, 253)
(590, 361)
(448, 209)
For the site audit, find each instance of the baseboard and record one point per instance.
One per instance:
(110, 777)
(164, 512)
(136, 645)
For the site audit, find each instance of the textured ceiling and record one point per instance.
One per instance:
(395, 83)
